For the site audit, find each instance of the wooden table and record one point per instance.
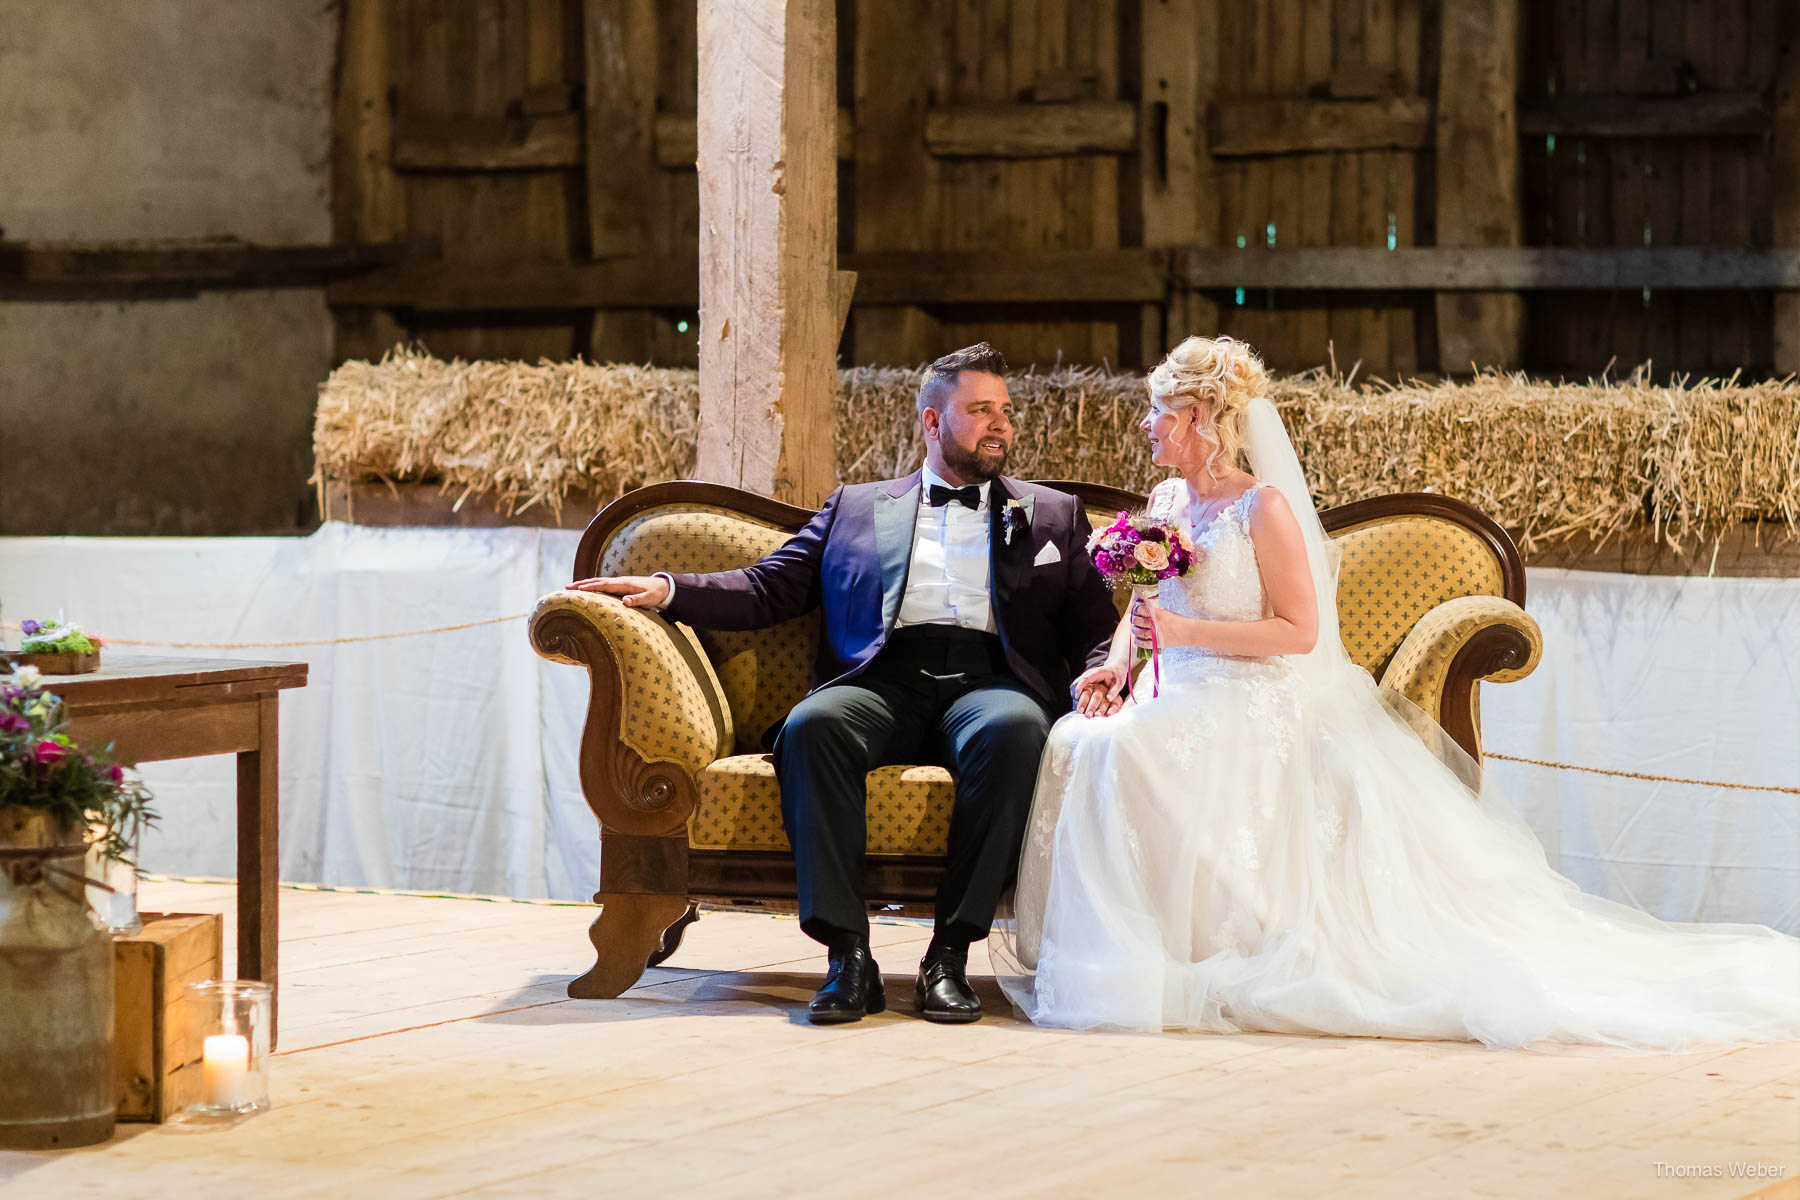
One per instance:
(151, 709)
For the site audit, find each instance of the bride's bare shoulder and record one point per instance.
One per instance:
(1269, 510)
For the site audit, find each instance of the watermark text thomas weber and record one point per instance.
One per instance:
(1735, 1169)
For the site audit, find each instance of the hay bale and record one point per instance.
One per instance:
(514, 434)
(1550, 461)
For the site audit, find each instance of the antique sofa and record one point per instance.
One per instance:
(1430, 600)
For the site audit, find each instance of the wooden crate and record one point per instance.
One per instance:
(158, 1060)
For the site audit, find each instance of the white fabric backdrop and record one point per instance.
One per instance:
(448, 762)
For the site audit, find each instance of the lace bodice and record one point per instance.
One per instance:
(1224, 583)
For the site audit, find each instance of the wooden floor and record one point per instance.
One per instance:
(428, 1050)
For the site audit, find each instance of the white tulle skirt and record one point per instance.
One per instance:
(1246, 852)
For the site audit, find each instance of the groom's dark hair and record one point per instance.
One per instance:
(940, 376)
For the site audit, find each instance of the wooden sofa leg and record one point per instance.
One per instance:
(671, 938)
(627, 932)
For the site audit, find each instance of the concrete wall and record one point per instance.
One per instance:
(121, 119)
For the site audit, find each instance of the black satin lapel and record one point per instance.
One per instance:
(895, 519)
(1005, 561)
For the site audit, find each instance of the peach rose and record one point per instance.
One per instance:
(1152, 556)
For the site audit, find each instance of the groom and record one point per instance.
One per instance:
(959, 605)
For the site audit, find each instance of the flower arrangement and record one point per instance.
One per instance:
(1139, 553)
(41, 768)
(55, 637)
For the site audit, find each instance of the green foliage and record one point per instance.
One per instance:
(42, 768)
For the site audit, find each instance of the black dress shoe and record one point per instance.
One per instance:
(943, 990)
(852, 988)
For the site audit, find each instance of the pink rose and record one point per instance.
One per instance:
(116, 773)
(1152, 556)
(50, 753)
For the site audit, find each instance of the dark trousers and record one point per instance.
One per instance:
(935, 694)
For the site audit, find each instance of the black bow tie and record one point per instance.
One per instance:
(969, 496)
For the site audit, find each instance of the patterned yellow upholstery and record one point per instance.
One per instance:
(672, 708)
(1412, 590)
(1397, 569)
(739, 808)
(764, 672)
(1421, 667)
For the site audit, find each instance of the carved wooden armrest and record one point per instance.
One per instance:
(1452, 649)
(656, 715)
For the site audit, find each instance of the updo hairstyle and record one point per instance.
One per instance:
(1221, 374)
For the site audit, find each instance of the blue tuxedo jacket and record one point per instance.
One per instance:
(1054, 612)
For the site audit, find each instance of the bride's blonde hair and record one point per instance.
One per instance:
(1221, 374)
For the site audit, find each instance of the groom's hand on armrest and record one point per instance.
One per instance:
(637, 591)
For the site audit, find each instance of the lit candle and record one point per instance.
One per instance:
(225, 1059)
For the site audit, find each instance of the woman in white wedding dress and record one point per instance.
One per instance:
(1269, 844)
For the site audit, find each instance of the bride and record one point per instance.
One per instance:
(1269, 845)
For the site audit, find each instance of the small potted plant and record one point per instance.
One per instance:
(60, 806)
(56, 648)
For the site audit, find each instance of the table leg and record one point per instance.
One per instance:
(259, 859)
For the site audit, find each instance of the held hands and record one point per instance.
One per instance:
(637, 591)
(1097, 690)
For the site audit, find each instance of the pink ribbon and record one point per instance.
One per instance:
(1155, 654)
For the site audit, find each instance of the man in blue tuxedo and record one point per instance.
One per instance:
(960, 608)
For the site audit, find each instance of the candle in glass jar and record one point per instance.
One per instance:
(225, 1060)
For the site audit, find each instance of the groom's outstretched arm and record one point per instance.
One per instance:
(1089, 617)
(782, 586)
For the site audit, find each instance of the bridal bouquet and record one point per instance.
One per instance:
(1139, 553)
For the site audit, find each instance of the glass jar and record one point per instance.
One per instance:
(113, 887)
(229, 1019)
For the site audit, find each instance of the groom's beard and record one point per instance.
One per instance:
(971, 462)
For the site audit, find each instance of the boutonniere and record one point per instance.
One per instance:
(1013, 518)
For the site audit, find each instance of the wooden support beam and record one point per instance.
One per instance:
(888, 280)
(769, 287)
(1699, 114)
(487, 144)
(1471, 270)
(642, 281)
(1480, 200)
(1245, 128)
(1001, 277)
(61, 270)
(677, 146)
(1031, 130)
(1785, 186)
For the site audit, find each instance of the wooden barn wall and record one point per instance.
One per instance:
(499, 134)
(1712, 189)
(1336, 49)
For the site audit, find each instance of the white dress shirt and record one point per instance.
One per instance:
(947, 583)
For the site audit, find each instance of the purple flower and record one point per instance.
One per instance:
(29, 627)
(12, 722)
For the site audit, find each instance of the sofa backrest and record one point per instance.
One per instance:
(1402, 556)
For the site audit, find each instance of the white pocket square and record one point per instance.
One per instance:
(1049, 554)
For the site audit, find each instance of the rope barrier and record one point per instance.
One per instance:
(383, 637)
(1715, 783)
(337, 641)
